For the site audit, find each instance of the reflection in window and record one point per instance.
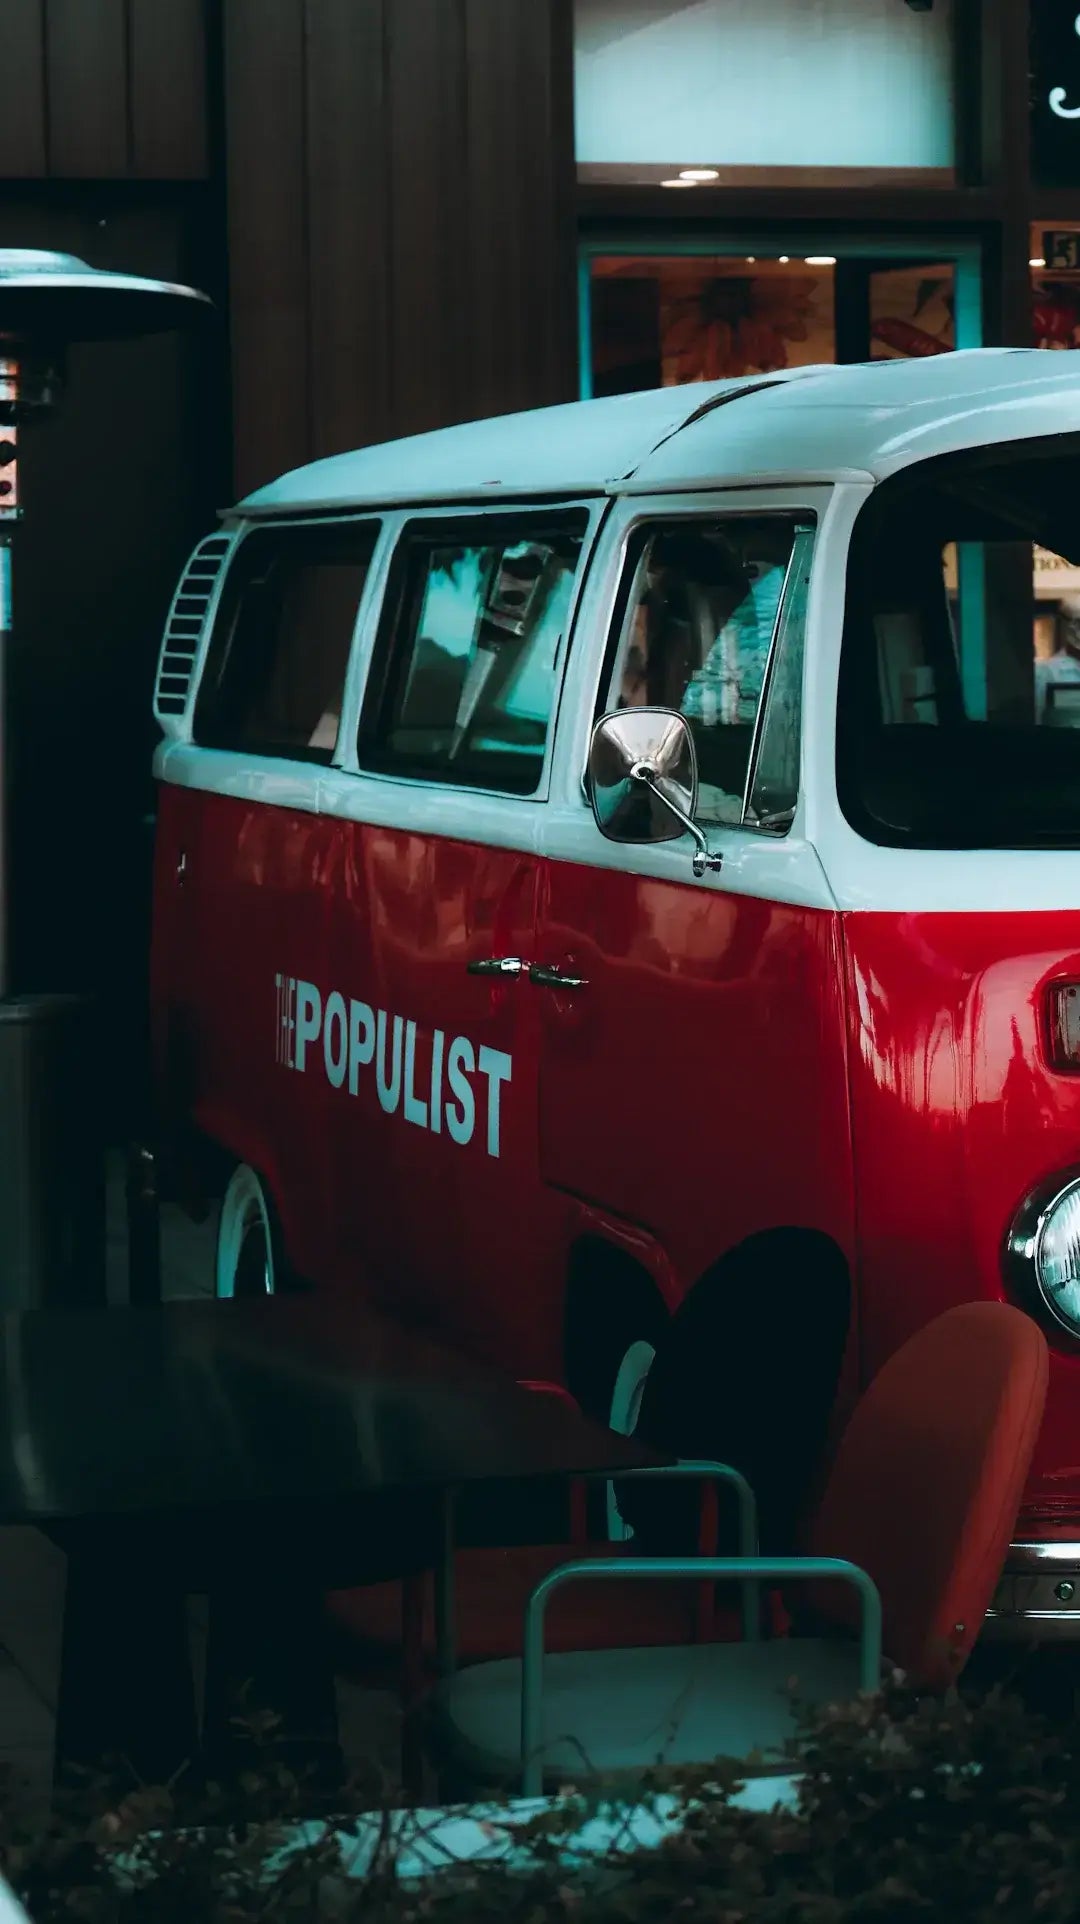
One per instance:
(275, 673)
(475, 657)
(696, 637)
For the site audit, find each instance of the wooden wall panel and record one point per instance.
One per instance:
(22, 121)
(401, 217)
(520, 201)
(429, 254)
(268, 235)
(87, 89)
(167, 82)
(104, 89)
(347, 221)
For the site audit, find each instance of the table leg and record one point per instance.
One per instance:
(445, 1625)
(125, 1669)
(414, 1602)
(268, 1652)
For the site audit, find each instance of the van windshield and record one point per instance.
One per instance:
(958, 722)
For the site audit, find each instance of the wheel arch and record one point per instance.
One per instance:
(606, 1284)
(760, 1365)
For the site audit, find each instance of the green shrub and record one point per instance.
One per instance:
(965, 1810)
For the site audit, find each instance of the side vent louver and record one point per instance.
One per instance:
(184, 629)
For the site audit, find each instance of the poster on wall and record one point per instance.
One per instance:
(1055, 309)
(911, 312)
(718, 325)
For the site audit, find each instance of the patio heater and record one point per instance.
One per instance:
(52, 1230)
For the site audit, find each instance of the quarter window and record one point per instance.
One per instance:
(711, 625)
(275, 671)
(951, 733)
(473, 652)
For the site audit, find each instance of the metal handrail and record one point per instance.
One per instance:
(680, 1471)
(767, 1569)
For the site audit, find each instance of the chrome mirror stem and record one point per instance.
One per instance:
(704, 859)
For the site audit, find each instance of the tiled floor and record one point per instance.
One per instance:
(32, 1569)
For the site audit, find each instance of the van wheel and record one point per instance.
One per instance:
(624, 1409)
(247, 1243)
(613, 1335)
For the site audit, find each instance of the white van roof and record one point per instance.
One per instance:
(815, 422)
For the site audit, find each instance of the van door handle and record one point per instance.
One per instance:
(504, 965)
(546, 978)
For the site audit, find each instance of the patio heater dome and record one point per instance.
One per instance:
(49, 301)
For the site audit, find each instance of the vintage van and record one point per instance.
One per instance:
(618, 896)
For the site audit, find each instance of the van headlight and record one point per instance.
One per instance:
(1042, 1252)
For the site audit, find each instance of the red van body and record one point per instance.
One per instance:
(705, 1142)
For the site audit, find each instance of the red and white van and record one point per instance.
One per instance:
(618, 895)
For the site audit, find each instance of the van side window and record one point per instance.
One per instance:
(472, 652)
(702, 604)
(275, 670)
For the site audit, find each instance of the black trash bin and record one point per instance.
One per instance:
(52, 1154)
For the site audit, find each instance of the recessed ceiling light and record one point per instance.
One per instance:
(784, 259)
(699, 173)
(678, 183)
(821, 260)
(1037, 262)
(750, 259)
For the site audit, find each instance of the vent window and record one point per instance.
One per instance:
(184, 629)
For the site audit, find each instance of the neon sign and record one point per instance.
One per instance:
(1059, 95)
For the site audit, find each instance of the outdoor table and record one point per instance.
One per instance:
(260, 1451)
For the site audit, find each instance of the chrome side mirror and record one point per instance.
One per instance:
(642, 780)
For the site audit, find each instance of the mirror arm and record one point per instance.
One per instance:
(704, 859)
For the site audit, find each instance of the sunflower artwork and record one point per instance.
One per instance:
(731, 325)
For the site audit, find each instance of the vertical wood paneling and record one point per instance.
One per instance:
(521, 257)
(168, 89)
(429, 252)
(87, 88)
(267, 221)
(563, 372)
(401, 217)
(347, 186)
(22, 65)
(507, 220)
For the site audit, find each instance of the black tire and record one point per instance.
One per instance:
(748, 1376)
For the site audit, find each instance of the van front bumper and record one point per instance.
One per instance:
(1038, 1598)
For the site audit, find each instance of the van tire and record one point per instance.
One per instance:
(749, 1375)
(616, 1323)
(624, 1410)
(248, 1258)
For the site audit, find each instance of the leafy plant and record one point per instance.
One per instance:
(965, 1809)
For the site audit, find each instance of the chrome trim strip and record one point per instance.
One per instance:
(800, 561)
(1024, 1558)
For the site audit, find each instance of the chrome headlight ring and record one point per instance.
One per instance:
(1042, 1251)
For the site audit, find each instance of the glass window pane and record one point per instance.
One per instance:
(858, 85)
(696, 635)
(660, 322)
(475, 653)
(950, 732)
(776, 774)
(912, 310)
(275, 671)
